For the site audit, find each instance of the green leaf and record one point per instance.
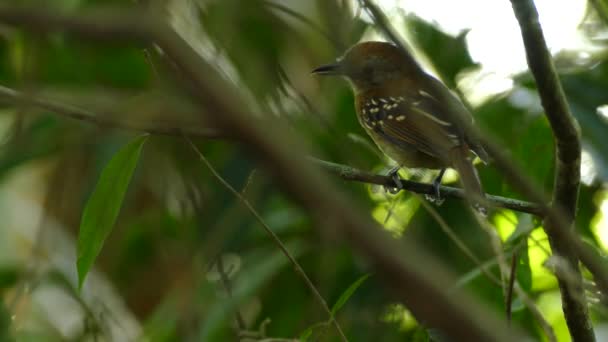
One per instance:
(307, 333)
(102, 209)
(348, 293)
(448, 54)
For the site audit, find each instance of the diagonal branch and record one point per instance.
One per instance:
(568, 163)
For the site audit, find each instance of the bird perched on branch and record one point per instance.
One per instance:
(412, 117)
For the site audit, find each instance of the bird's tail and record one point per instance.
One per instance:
(461, 161)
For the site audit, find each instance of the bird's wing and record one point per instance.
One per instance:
(446, 105)
(416, 120)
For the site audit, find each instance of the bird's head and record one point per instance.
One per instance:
(369, 64)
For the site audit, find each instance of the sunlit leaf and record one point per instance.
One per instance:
(103, 206)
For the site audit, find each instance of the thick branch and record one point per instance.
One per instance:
(421, 285)
(352, 174)
(567, 170)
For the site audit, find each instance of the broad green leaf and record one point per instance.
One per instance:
(345, 296)
(103, 206)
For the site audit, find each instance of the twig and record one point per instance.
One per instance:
(115, 121)
(352, 174)
(504, 270)
(383, 23)
(535, 311)
(306, 21)
(274, 237)
(345, 172)
(511, 284)
(389, 212)
(459, 243)
(240, 322)
(568, 162)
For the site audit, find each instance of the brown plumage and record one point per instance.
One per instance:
(411, 116)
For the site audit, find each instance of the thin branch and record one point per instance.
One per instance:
(535, 311)
(383, 23)
(459, 243)
(274, 237)
(352, 174)
(345, 172)
(421, 286)
(240, 321)
(114, 121)
(568, 163)
(511, 284)
(305, 20)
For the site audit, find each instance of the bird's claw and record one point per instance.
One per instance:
(436, 197)
(398, 184)
(483, 211)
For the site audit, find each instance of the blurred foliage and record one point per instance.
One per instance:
(177, 220)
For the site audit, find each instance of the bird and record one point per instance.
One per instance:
(411, 116)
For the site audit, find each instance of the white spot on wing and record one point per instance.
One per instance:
(424, 93)
(432, 117)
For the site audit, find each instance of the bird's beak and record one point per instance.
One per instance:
(329, 69)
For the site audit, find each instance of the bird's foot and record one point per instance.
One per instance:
(398, 184)
(436, 197)
(481, 209)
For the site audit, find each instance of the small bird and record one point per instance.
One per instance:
(412, 117)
